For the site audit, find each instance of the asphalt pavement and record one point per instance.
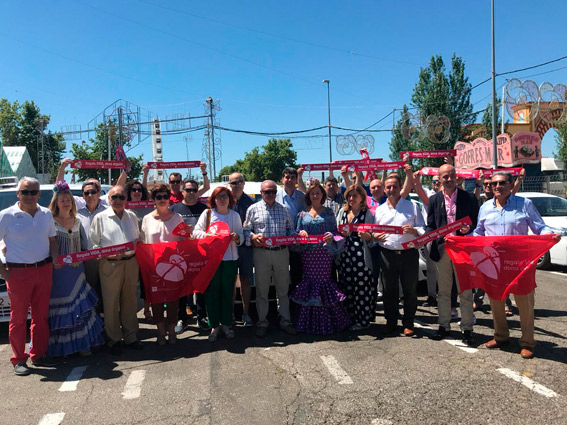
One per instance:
(348, 378)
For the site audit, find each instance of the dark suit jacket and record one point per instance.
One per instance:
(467, 205)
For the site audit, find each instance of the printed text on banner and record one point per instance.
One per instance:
(438, 233)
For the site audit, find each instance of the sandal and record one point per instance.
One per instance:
(508, 312)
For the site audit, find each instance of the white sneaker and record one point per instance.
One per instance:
(229, 333)
(214, 334)
(247, 320)
(180, 327)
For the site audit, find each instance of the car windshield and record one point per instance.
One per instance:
(9, 197)
(550, 206)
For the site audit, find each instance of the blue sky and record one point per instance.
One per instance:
(264, 60)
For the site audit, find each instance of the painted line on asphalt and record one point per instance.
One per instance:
(527, 382)
(454, 342)
(380, 421)
(559, 273)
(52, 419)
(73, 379)
(336, 370)
(133, 386)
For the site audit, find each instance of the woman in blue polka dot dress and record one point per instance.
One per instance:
(320, 309)
(355, 261)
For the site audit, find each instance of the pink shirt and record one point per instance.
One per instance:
(451, 208)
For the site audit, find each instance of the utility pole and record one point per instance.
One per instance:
(494, 129)
(212, 136)
(41, 123)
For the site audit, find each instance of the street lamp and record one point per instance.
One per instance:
(329, 112)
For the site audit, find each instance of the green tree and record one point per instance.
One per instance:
(24, 125)
(265, 163)
(487, 121)
(98, 150)
(561, 143)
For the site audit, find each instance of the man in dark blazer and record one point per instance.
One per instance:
(445, 207)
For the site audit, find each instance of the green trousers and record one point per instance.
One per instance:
(218, 296)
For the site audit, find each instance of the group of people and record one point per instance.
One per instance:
(332, 285)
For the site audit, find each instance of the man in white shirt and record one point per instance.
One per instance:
(118, 274)
(28, 231)
(397, 264)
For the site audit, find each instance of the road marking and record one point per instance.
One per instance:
(133, 386)
(336, 370)
(559, 273)
(453, 342)
(52, 419)
(527, 382)
(380, 421)
(73, 379)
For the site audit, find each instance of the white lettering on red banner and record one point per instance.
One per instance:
(139, 204)
(174, 164)
(472, 174)
(437, 233)
(428, 154)
(291, 240)
(87, 163)
(369, 227)
(371, 166)
(93, 254)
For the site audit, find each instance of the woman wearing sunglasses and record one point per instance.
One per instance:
(158, 226)
(74, 324)
(218, 296)
(136, 191)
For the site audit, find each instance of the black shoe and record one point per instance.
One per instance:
(442, 333)
(390, 328)
(22, 369)
(45, 362)
(430, 302)
(468, 338)
(203, 324)
(116, 349)
(136, 345)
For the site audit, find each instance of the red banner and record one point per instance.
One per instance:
(93, 254)
(372, 166)
(500, 265)
(471, 174)
(368, 227)
(291, 240)
(87, 163)
(428, 154)
(174, 164)
(171, 270)
(513, 171)
(139, 204)
(438, 233)
(337, 165)
(357, 161)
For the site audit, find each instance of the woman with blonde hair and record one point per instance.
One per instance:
(74, 324)
(355, 261)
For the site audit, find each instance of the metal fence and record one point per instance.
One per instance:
(553, 184)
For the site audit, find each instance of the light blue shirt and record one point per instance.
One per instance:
(294, 203)
(515, 218)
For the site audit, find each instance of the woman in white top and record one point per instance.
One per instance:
(218, 296)
(158, 226)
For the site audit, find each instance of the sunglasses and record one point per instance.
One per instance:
(115, 197)
(175, 182)
(498, 183)
(487, 184)
(236, 182)
(159, 197)
(26, 192)
(136, 189)
(190, 190)
(435, 182)
(269, 192)
(90, 192)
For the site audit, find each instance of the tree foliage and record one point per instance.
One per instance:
(487, 121)
(97, 149)
(436, 93)
(561, 143)
(265, 163)
(22, 125)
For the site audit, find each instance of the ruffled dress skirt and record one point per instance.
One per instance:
(320, 301)
(74, 324)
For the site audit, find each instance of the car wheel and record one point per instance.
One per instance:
(544, 262)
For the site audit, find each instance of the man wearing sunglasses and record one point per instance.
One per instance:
(175, 182)
(118, 274)
(508, 214)
(265, 219)
(190, 209)
(245, 253)
(28, 231)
